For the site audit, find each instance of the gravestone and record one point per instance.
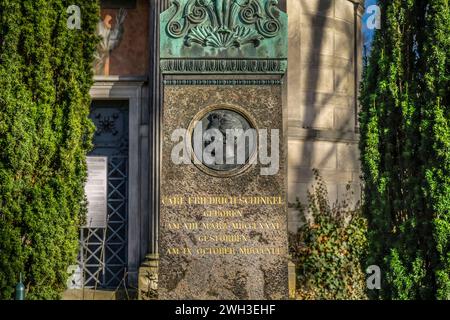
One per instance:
(223, 209)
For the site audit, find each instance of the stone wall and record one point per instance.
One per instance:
(323, 75)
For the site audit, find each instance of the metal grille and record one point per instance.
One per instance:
(116, 237)
(103, 257)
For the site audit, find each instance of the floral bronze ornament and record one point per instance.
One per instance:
(224, 23)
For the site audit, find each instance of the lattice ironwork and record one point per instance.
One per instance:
(104, 255)
(103, 251)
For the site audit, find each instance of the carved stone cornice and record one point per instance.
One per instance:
(222, 82)
(230, 66)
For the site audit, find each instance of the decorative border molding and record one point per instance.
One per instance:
(191, 66)
(194, 82)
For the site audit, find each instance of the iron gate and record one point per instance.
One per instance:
(103, 251)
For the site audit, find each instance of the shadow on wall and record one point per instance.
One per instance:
(321, 97)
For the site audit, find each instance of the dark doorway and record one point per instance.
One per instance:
(103, 254)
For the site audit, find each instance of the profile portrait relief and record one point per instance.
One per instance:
(227, 138)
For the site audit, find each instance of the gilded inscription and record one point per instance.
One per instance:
(227, 251)
(223, 213)
(222, 200)
(225, 227)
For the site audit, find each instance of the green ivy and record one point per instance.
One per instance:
(405, 149)
(45, 133)
(329, 248)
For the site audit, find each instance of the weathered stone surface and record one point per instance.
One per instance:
(319, 117)
(193, 274)
(312, 154)
(344, 119)
(317, 7)
(316, 39)
(348, 156)
(321, 102)
(344, 10)
(319, 80)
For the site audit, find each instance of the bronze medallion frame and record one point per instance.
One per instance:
(252, 159)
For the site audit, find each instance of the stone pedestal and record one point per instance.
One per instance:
(223, 206)
(222, 237)
(148, 278)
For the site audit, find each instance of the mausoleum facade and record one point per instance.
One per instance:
(318, 96)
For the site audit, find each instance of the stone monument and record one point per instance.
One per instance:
(223, 206)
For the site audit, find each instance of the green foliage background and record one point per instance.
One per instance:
(405, 149)
(329, 248)
(45, 77)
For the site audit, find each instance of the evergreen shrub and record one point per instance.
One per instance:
(45, 133)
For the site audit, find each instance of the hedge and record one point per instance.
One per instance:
(405, 149)
(45, 133)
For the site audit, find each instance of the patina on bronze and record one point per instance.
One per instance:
(238, 135)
